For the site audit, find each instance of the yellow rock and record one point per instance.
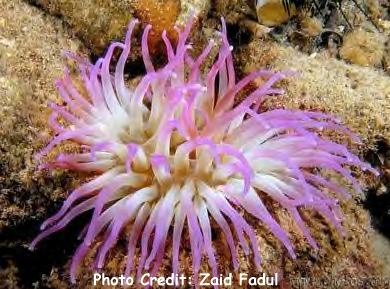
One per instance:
(363, 48)
(311, 26)
(273, 12)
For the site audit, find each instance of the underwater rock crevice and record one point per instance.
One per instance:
(377, 200)
(54, 252)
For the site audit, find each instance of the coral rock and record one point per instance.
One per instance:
(363, 48)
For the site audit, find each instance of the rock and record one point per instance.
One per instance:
(95, 22)
(233, 10)
(311, 26)
(31, 45)
(274, 12)
(99, 22)
(162, 15)
(30, 60)
(359, 96)
(199, 8)
(363, 48)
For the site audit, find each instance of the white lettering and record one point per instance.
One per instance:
(221, 280)
(261, 280)
(243, 277)
(204, 282)
(143, 282)
(102, 279)
(96, 277)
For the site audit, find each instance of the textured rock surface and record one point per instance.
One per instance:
(363, 48)
(339, 258)
(95, 22)
(98, 22)
(199, 8)
(30, 59)
(31, 46)
(359, 96)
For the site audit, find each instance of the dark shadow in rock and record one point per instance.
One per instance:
(238, 35)
(379, 208)
(378, 198)
(52, 252)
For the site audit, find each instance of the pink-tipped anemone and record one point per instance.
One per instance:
(174, 153)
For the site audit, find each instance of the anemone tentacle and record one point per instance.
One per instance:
(174, 154)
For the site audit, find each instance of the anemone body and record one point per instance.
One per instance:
(174, 153)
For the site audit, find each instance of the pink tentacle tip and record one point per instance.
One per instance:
(173, 153)
(58, 83)
(131, 153)
(44, 166)
(160, 161)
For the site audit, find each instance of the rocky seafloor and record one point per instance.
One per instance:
(343, 66)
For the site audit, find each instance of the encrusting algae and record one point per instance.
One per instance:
(338, 258)
(363, 48)
(31, 46)
(95, 22)
(360, 96)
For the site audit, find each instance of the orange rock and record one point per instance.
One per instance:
(162, 15)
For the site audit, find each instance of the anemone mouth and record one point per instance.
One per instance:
(173, 152)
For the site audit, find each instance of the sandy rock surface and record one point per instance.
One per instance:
(98, 22)
(31, 46)
(359, 96)
(31, 41)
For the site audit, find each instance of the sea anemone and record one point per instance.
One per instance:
(175, 153)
